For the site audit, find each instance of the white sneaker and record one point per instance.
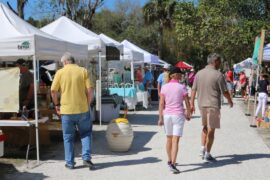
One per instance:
(209, 158)
(202, 152)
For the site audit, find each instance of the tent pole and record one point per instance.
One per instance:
(36, 106)
(249, 93)
(100, 90)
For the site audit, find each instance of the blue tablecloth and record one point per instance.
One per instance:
(127, 92)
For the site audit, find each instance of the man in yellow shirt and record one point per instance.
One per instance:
(76, 90)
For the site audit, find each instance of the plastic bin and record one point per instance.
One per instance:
(109, 112)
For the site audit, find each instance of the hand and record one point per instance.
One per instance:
(188, 115)
(160, 122)
(192, 109)
(57, 109)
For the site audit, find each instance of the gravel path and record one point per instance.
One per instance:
(240, 151)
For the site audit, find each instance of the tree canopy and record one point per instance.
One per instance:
(176, 30)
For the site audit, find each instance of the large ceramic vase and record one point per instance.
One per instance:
(119, 135)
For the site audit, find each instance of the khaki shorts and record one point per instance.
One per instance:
(210, 117)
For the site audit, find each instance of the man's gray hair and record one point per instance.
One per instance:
(68, 57)
(213, 57)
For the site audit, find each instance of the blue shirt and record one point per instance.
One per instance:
(160, 79)
(147, 77)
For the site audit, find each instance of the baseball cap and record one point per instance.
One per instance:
(174, 70)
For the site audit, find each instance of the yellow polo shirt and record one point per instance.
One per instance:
(72, 81)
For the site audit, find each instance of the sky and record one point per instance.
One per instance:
(30, 7)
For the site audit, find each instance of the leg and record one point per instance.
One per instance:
(210, 139)
(169, 148)
(85, 129)
(175, 142)
(264, 104)
(204, 130)
(259, 106)
(68, 126)
(204, 135)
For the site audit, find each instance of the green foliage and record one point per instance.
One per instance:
(160, 12)
(225, 26)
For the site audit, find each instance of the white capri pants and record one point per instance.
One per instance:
(174, 124)
(262, 102)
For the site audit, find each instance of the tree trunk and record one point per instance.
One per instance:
(20, 7)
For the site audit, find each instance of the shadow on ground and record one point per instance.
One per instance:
(147, 160)
(143, 119)
(226, 160)
(9, 172)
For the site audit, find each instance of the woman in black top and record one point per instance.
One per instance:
(262, 97)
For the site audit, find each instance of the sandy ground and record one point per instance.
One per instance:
(239, 149)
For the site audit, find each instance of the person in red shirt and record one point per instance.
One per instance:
(229, 81)
(243, 83)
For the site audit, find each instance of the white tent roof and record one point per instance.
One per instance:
(245, 64)
(19, 38)
(68, 30)
(148, 58)
(128, 54)
(111, 42)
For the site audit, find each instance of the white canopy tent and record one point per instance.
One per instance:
(111, 42)
(245, 64)
(127, 53)
(68, 30)
(162, 62)
(148, 57)
(20, 39)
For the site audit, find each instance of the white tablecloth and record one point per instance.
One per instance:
(142, 96)
(131, 102)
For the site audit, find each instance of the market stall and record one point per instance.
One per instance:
(19, 39)
(125, 71)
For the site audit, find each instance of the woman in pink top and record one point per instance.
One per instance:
(172, 114)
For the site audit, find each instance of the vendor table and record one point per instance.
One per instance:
(129, 95)
(124, 92)
(23, 123)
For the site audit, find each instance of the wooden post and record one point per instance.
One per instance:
(260, 58)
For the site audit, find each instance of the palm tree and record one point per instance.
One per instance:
(161, 12)
(20, 7)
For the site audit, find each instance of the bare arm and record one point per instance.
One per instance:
(192, 101)
(30, 95)
(188, 107)
(89, 94)
(228, 97)
(158, 88)
(56, 103)
(161, 107)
